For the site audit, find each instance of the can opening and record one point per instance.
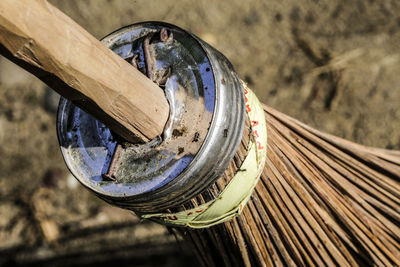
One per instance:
(193, 150)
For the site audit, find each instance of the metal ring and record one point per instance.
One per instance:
(205, 126)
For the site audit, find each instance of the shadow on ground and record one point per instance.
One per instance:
(333, 64)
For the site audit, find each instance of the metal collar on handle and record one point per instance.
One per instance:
(203, 133)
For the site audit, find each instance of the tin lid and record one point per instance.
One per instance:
(200, 138)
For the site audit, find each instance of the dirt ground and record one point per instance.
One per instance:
(333, 64)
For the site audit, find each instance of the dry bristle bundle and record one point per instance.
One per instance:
(321, 201)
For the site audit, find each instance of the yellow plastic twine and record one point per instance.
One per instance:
(237, 193)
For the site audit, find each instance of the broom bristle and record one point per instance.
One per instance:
(321, 200)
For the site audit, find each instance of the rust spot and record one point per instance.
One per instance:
(179, 132)
(196, 137)
(163, 35)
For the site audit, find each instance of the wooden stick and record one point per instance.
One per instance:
(43, 40)
(321, 200)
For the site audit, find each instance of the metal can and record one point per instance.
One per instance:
(203, 132)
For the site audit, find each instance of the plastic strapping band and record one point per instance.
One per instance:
(237, 193)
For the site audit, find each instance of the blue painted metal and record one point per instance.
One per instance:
(206, 102)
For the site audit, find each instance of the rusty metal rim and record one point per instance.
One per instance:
(217, 150)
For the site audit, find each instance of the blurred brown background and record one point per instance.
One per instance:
(334, 64)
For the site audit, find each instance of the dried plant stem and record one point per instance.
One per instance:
(321, 200)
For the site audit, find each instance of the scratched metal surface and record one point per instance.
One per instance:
(274, 45)
(207, 117)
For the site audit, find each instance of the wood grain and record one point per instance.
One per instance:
(43, 40)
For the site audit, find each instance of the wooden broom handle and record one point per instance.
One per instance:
(46, 42)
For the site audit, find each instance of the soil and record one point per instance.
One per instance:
(333, 64)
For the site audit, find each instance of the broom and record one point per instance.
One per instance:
(321, 200)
